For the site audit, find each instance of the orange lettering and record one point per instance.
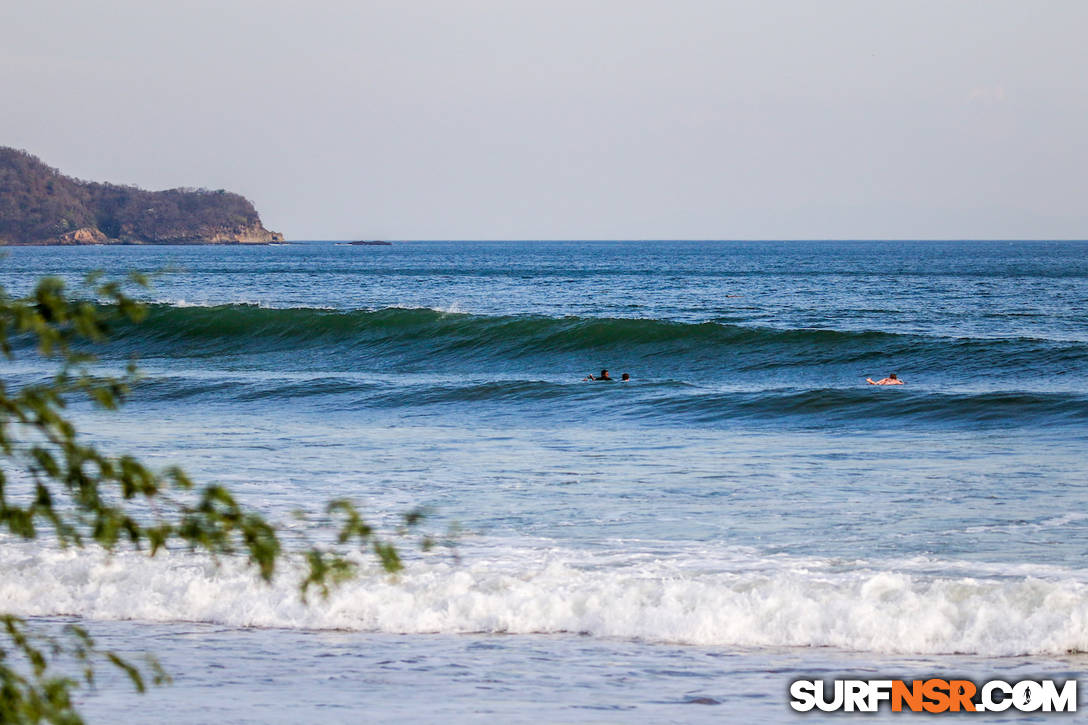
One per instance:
(936, 691)
(912, 695)
(961, 692)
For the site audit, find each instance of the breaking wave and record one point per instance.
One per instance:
(741, 600)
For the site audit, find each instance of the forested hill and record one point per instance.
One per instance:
(39, 205)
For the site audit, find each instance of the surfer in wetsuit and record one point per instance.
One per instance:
(602, 376)
(890, 380)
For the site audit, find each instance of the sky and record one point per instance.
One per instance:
(500, 119)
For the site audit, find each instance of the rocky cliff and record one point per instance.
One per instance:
(39, 205)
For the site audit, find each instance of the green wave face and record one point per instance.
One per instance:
(514, 366)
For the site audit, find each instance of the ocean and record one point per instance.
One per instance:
(744, 512)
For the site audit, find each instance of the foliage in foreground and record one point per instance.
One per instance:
(54, 483)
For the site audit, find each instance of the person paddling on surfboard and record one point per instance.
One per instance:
(890, 380)
(602, 376)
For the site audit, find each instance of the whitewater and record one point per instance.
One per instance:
(747, 511)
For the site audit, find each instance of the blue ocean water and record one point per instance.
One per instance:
(745, 511)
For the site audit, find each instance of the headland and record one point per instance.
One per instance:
(41, 206)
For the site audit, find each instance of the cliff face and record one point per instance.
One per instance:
(39, 205)
(86, 235)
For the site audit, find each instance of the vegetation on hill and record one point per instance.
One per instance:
(39, 205)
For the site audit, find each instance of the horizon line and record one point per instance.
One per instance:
(713, 239)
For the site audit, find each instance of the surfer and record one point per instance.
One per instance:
(626, 378)
(890, 380)
(602, 376)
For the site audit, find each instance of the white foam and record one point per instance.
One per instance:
(746, 601)
(453, 308)
(183, 303)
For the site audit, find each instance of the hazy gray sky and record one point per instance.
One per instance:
(582, 120)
